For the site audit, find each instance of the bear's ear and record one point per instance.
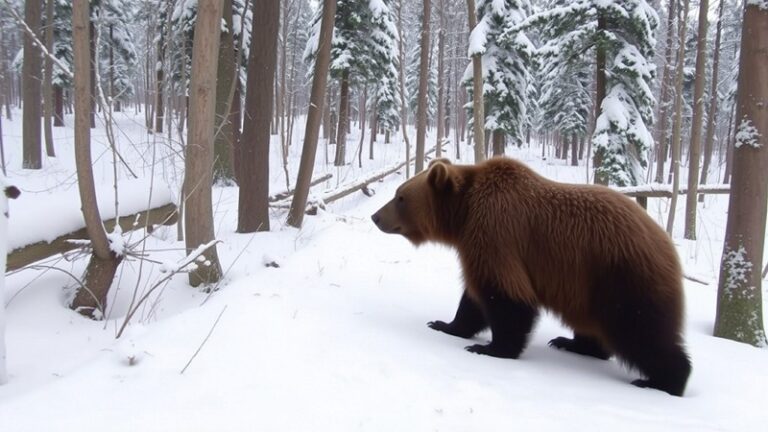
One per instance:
(440, 176)
(444, 161)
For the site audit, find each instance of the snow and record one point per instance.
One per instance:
(335, 338)
(747, 135)
(4, 213)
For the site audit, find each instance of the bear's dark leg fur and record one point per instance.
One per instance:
(511, 322)
(643, 331)
(581, 344)
(469, 320)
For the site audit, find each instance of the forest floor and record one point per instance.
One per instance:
(335, 338)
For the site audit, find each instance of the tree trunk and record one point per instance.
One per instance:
(160, 77)
(253, 211)
(403, 104)
(91, 298)
(362, 107)
(729, 146)
(574, 150)
(694, 153)
(314, 116)
(600, 91)
(223, 160)
(678, 119)
(32, 78)
(498, 142)
(47, 82)
(440, 82)
(58, 98)
(341, 138)
(712, 113)
(478, 106)
(661, 137)
(374, 126)
(421, 110)
(92, 35)
(739, 301)
(198, 212)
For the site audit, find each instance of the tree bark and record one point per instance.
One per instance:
(574, 150)
(32, 78)
(421, 110)
(90, 299)
(498, 142)
(678, 119)
(198, 211)
(600, 91)
(253, 211)
(223, 160)
(314, 116)
(160, 75)
(712, 113)
(341, 130)
(478, 105)
(403, 104)
(694, 153)
(47, 82)
(739, 301)
(374, 126)
(661, 137)
(440, 81)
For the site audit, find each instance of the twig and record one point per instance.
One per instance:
(765, 271)
(210, 332)
(695, 279)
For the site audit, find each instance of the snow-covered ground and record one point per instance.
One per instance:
(335, 338)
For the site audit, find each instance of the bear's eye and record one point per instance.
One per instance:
(400, 199)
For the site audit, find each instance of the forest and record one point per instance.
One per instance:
(189, 184)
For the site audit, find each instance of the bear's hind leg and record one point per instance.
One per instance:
(581, 344)
(469, 320)
(511, 322)
(665, 370)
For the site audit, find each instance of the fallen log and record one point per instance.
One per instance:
(665, 191)
(289, 193)
(20, 257)
(331, 196)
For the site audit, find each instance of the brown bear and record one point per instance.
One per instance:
(587, 253)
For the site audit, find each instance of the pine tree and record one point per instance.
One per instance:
(118, 53)
(620, 34)
(506, 63)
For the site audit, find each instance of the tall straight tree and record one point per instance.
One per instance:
(694, 153)
(253, 210)
(739, 300)
(713, 99)
(677, 120)
(225, 135)
(32, 76)
(421, 114)
(90, 299)
(314, 115)
(48, 80)
(664, 100)
(478, 106)
(198, 210)
(440, 80)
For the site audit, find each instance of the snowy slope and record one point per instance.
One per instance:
(336, 339)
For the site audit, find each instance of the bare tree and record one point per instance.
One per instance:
(314, 115)
(678, 115)
(198, 212)
(712, 113)
(694, 153)
(421, 114)
(253, 210)
(47, 81)
(478, 106)
(440, 80)
(403, 104)
(224, 138)
(32, 76)
(91, 298)
(739, 300)
(600, 90)
(664, 102)
(341, 130)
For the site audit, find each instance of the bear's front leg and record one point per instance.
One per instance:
(511, 322)
(469, 320)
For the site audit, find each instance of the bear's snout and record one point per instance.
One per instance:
(382, 222)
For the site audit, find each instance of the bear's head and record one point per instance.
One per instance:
(425, 207)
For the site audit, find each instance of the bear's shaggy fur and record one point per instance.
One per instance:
(586, 253)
